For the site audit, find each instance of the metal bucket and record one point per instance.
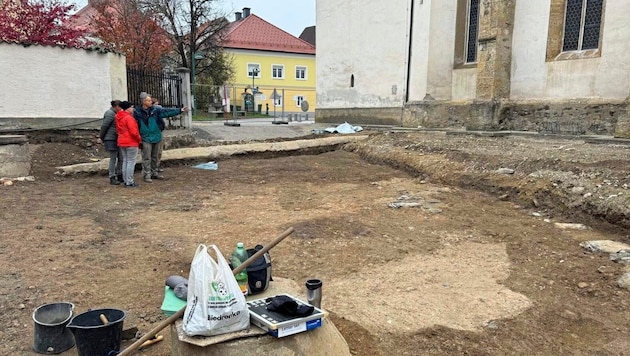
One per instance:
(50, 333)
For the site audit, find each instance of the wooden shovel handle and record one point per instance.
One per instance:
(171, 319)
(152, 341)
(103, 319)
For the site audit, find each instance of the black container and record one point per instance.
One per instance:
(50, 333)
(93, 338)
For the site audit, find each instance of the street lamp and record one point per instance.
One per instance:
(254, 72)
(197, 55)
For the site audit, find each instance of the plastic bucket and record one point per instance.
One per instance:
(94, 338)
(50, 333)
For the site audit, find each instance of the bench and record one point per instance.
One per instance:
(216, 113)
(221, 113)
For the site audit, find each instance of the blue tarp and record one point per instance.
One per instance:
(212, 166)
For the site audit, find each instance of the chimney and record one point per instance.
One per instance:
(246, 11)
(238, 15)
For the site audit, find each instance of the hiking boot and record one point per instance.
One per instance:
(132, 185)
(148, 179)
(157, 176)
(160, 170)
(114, 181)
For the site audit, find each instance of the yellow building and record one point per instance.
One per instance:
(279, 67)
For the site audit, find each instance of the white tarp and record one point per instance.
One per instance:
(344, 128)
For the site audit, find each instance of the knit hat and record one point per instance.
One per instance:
(125, 105)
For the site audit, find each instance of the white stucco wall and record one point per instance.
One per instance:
(52, 82)
(464, 84)
(367, 39)
(441, 48)
(118, 76)
(420, 50)
(605, 77)
(433, 54)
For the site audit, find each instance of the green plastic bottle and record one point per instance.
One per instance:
(239, 256)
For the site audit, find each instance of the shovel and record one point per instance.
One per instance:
(148, 336)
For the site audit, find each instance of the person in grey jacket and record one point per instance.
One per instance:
(109, 136)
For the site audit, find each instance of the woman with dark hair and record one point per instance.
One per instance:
(128, 141)
(109, 138)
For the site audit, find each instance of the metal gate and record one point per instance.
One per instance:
(166, 87)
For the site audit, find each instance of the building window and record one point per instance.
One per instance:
(277, 71)
(253, 70)
(298, 100)
(467, 33)
(472, 30)
(575, 29)
(582, 24)
(300, 73)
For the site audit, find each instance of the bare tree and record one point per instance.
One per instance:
(197, 28)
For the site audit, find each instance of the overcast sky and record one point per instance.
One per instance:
(290, 15)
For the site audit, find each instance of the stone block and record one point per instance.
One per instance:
(325, 340)
(15, 158)
(622, 129)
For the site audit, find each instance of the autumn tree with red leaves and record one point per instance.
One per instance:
(128, 29)
(37, 22)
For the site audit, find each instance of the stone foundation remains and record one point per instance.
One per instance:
(575, 117)
(15, 158)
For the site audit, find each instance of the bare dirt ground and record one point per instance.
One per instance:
(475, 266)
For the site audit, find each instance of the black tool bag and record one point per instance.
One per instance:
(259, 272)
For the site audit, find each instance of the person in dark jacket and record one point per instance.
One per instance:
(128, 140)
(156, 104)
(151, 123)
(109, 137)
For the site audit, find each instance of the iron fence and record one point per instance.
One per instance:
(262, 100)
(554, 127)
(166, 87)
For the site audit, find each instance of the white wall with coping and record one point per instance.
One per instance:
(607, 76)
(55, 82)
(367, 40)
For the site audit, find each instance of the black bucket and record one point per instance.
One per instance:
(94, 338)
(50, 333)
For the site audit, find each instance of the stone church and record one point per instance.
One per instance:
(552, 66)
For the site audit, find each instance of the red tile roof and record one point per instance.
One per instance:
(84, 18)
(252, 32)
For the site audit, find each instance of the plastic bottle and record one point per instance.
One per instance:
(239, 256)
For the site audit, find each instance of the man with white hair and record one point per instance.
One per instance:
(151, 124)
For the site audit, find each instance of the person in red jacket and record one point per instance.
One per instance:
(129, 141)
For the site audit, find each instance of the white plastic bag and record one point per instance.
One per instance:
(216, 304)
